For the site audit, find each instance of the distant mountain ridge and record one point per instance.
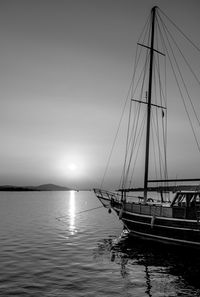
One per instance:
(45, 187)
(51, 187)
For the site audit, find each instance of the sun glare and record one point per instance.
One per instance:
(71, 166)
(72, 209)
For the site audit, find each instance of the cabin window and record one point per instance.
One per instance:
(180, 200)
(192, 201)
(176, 200)
(198, 199)
(187, 200)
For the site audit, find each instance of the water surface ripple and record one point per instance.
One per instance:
(83, 253)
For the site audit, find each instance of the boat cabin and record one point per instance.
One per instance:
(186, 204)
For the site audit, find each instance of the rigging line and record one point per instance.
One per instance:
(136, 123)
(165, 94)
(182, 97)
(165, 151)
(122, 180)
(183, 80)
(136, 157)
(133, 141)
(142, 87)
(137, 83)
(172, 64)
(159, 149)
(136, 64)
(164, 124)
(157, 132)
(157, 64)
(186, 61)
(162, 121)
(129, 91)
(155, 159)
(143, 70)
(135, 67)
(165, 145)
(165, 121)
(129, 144)
(138, 112)
(156, 125)
(145, 26)
(77, 213)
(165, 74)
(165, 98)
(136, 120)
(144, 77)
(118, 128)
(134, 144)
(162, 104)
(193, 108)
(148, 30)
(127, 139)
(115, 138)
(138, 58)
(186, 37)
(135, 135)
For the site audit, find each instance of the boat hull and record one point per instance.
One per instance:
(176, 231)
(156, 222)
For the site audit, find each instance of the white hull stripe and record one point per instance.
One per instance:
(167, 238)
(162, 226)
(158, 217)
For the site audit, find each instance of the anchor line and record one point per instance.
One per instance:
(83, 211)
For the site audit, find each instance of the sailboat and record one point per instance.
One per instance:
(162, 209)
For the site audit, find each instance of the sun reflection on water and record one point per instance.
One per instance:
(72, 209)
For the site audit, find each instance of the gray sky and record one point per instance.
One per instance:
(65, 69)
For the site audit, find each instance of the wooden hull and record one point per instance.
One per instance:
(162, 229)
(170, 230)
(155, 222)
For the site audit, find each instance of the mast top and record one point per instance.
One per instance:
(154, 7)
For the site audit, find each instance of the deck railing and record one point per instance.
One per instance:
(107, 195)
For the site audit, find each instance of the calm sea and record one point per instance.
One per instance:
(83, 253)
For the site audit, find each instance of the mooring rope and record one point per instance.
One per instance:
(77, 213)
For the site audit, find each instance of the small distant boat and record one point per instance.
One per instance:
(163, 209)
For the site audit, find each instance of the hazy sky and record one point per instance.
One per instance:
(65, 69)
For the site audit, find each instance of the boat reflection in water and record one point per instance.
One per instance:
(72, 210)
(162, 269)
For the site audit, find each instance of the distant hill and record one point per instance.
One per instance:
(51, 187)
(45, 187)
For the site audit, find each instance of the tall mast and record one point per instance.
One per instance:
(146, 172)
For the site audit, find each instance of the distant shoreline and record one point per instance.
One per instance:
(29, 190)
(45, 187)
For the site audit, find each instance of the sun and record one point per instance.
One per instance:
(72, 167)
